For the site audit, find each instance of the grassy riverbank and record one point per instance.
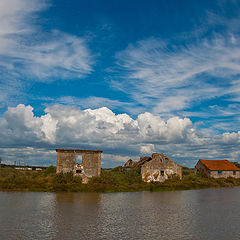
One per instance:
(109, 181)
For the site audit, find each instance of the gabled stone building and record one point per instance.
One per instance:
(157, 168)
(160, 168)
(217, 168)
(87, 167)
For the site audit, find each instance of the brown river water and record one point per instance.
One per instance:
(211, 214)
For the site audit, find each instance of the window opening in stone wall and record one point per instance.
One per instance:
(161, 160)
(162, 173)
(79, 159)
(234, 172)
(78, 171)
(219, 172)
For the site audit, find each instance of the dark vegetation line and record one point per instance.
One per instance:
(110, 181)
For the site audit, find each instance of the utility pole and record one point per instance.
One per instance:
(0, 162)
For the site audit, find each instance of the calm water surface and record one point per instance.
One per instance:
(197, 214)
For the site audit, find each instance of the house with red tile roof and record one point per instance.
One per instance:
(217, 168)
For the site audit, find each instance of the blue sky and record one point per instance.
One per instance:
(128, 77)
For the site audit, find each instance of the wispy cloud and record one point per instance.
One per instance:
(61, 55)
(14, 19)
(168, 78)
(93, 102)
(27, 54)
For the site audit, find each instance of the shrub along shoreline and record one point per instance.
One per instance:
(110, 181)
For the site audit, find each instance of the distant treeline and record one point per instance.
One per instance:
(111, 180)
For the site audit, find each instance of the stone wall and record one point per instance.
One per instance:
(65, 161)
(201, 168)
(91, 162)
(225, 174)
(89, 167)
(160, 168)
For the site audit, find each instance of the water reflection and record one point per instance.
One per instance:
(26, 215)
(76, 214)
(214, 210)
(80, 198)
(199, 214)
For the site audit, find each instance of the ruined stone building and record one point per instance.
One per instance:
(160, 168)
(217, 168)
(83, 163)
(157, 168)
(130, 163)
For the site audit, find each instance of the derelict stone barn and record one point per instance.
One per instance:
(157, 168)
(160, 168)
(217, 168)
(87, 167)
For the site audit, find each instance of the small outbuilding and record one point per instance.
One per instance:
(217, 168)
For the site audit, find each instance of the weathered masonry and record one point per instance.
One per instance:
(160, 168)
(83, 163)
(157, 168)
(217, 168)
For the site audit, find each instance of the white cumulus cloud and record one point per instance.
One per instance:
(94, 127)
(118, 135)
